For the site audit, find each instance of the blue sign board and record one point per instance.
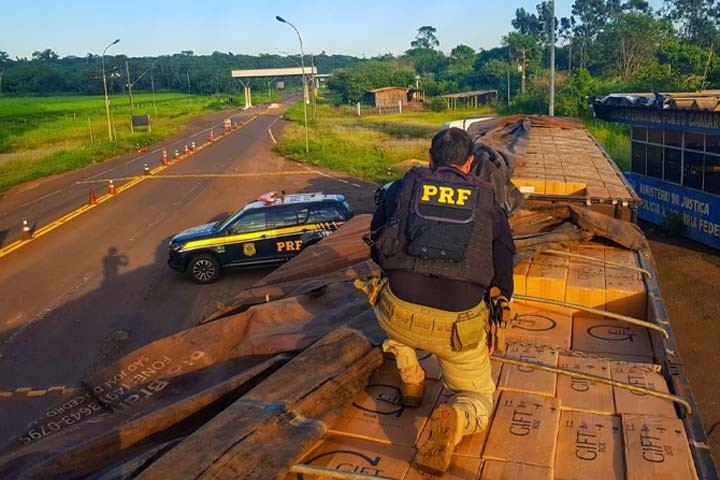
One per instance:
(700, 211)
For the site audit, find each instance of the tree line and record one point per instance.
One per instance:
(603, 46)
(46, 73)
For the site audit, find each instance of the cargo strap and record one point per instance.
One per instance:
(596, 379)
(597, 311)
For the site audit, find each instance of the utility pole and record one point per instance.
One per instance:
(312, 81)
(551, 110)
(524, 63)
(132, 104)
(508, 76)
(188, 80)
(152, 84)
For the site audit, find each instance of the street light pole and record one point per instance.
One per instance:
(302, 66)
(107, 99)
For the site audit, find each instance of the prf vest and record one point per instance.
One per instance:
(442, 227)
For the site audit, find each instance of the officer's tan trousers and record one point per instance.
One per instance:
(466, 373)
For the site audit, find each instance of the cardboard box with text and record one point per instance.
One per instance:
(378, 414)
(627, 401)
(599, 335)
(589, 446)
(526, 378)
(581, 394)
(534, 324)
(524, 429)
(358, 456)
(656, 448)
(497, 470)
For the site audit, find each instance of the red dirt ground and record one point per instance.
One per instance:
(689, 277)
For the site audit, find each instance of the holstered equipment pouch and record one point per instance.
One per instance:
(372, 288)
(467, 333)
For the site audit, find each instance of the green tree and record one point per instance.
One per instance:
(631, 41)
(425, 38)
(45, 56)
(698, 20)
(460, 67)
(349, 84)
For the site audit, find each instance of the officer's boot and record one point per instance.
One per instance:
(435, 453)
(412, 388)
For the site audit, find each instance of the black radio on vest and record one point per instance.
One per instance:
(442, 226)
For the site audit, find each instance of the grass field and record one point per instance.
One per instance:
(368, 147)
(41, 136)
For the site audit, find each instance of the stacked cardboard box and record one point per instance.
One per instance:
(606, 336)
(624, 289)
(497, 470)
(461, 468)
(524, 430)
(656, 448)
(560, 161)
(541, 325)
(378, 414)
(627, 401)
(589, 446)
(547, 277)
(583, 395)
(358, 456)
(584, 282)
(528, 379)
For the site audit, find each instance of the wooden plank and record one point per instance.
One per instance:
(290, 411)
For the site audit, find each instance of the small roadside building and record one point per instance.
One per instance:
(675, 156)
(391, 97)
(470, 99)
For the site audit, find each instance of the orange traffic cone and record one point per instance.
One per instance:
(187, 150)
(111, 188)
(192, 146)
(164, 157)
(146, 170)
(91, 197)
(27, 233)
(177, 154)
(212, 136)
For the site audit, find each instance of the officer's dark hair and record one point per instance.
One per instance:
(451, 146)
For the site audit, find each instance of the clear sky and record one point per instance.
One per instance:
(155, 27)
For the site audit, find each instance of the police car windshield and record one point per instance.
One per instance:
(229, 220)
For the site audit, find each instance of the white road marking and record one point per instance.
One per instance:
(41, 198)
(272, 137)
(101, 173)
(356, 185)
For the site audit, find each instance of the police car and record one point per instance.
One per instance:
(271, 230)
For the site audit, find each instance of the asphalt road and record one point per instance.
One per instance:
(99, 286)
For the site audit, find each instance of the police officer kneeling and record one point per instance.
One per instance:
(442, 242)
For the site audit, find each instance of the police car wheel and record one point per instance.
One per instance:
(204, 268)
